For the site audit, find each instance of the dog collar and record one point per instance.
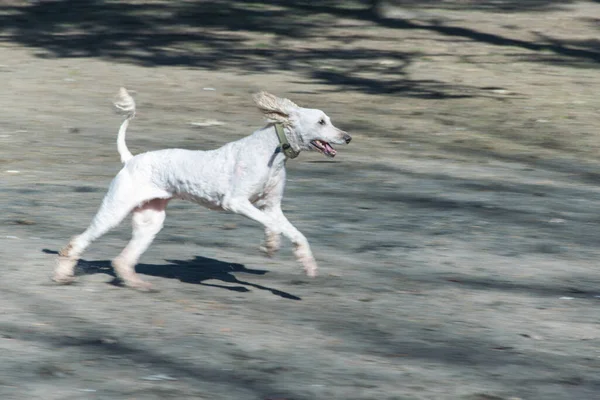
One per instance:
(284, 144)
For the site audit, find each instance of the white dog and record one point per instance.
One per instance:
(246, 177)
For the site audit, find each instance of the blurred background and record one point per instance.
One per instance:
(457, 234)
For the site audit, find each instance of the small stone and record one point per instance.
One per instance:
(534, 337)
(206, 122)
(557, 221)
(24, 222)
(159, 377)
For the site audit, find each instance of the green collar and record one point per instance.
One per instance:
(285, 145)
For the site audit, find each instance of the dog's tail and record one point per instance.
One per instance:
(126, 106)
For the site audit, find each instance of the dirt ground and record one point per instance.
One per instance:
(457, 234)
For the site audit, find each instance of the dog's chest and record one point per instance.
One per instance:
(270, 184)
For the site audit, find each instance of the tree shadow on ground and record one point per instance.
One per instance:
(196, 271)
(257, 37)
(470, 5)
(533, 289)
(94, 341)
(217, 35)
(584, 49)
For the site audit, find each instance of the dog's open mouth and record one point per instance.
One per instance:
(323, 147)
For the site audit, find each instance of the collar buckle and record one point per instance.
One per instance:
(285, 146)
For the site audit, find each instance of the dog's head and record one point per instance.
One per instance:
(306, 128)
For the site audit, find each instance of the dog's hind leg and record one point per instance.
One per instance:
(117, 204)
(107, 218)
(147, 221)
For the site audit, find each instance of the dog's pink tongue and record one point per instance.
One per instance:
(330, 150)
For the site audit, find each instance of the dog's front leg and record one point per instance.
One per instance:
(276, 223)
(272, 239)
(302, 249)
(272, 233)
(272, 242)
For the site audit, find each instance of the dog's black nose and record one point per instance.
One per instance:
(347, 138)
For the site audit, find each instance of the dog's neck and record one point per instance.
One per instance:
(271, 142)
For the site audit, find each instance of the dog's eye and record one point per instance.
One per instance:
(322, 121)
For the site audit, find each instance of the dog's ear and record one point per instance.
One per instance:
(274, 108)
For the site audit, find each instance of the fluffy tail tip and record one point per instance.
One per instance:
(124, 103)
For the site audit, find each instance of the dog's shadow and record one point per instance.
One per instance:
(196, 271)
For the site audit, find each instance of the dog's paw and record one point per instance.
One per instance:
(311, 270)
(268, 251)
(305, 257)
(271, 244)
(310, 267)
